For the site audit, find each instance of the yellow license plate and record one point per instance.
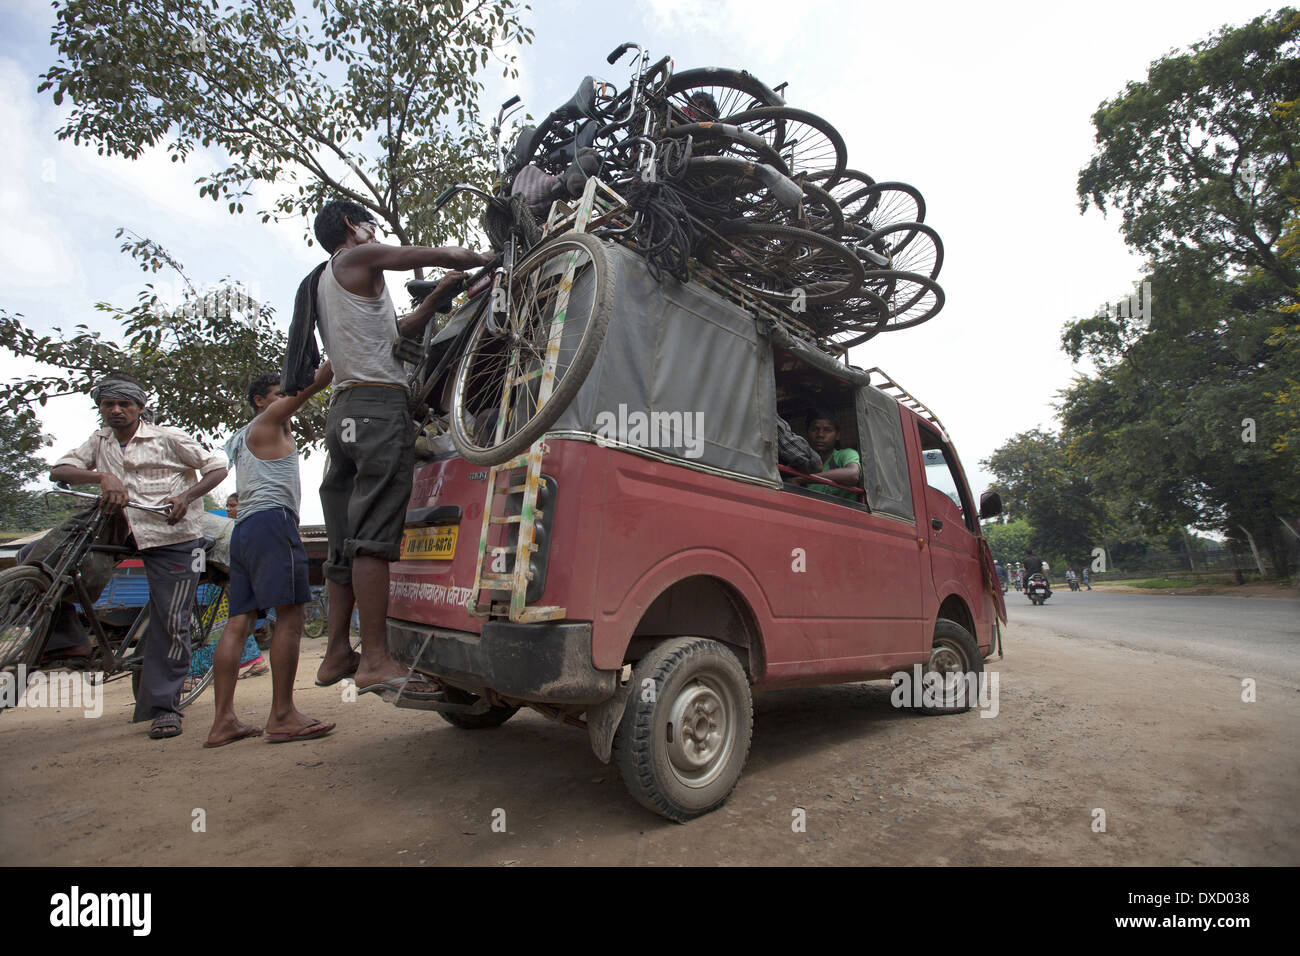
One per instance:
(437, 543)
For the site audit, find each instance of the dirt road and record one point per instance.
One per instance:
(1185, 771)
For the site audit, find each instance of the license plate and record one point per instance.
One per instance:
(430, 544)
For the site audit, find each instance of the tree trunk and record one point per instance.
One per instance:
(1253, 550)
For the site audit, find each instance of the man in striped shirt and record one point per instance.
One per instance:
(132, 459)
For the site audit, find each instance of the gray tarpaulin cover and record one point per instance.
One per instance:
(674, 348)
(884, 456)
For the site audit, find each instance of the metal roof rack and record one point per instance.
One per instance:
(905, 398)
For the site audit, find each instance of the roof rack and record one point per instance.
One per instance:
(906, 398)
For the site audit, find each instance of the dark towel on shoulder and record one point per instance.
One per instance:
(302, 357)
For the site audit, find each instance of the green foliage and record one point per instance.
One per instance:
(21, 441)
(370, 100)
(1040, 483)
(1190, 418)
(197, 357)
(1009, 542)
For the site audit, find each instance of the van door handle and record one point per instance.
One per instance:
(936, 524)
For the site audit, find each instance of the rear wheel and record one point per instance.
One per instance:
(714, 93)
(684, 737)
(805, 142)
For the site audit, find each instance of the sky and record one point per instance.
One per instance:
(985, 108)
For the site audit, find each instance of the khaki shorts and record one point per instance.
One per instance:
(370, 438)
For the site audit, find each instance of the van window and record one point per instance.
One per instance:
(941, 473)
(801, 390)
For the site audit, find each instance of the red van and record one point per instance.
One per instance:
(671, 565)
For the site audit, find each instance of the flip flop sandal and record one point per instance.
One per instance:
(396, 686)
(317, 728)
(164, 726)
(251, 732)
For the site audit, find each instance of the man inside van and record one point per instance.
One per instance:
(840, 465)
(369, 432)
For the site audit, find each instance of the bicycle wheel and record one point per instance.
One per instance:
(849, 181)
(909, 246)
(916, 299)
(785, 264)
(511, 387)
(207, 621)
(805, 142)
(23, 629)
(723, 139)
(884, 204)
(714, 92)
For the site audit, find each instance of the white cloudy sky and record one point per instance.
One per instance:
(983, 107)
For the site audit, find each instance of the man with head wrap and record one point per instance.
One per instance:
(132, 459)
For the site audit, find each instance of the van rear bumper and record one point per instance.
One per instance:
(546, 663)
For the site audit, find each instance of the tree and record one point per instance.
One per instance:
(1200, 158)
(197, 357)
(21, 440)
(1185, 420)
(1039, 483)
(1009, 542)
(369, 100)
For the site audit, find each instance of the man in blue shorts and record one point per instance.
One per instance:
(268, 564)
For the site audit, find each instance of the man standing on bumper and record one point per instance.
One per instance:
(370, 435)
(132, 459)
(268, 564)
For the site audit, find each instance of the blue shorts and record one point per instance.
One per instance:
(268, 564)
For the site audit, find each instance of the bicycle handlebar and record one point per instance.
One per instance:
(63, 489)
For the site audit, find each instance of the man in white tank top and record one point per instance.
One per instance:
(370, 424)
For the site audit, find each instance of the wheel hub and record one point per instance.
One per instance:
(703, 732)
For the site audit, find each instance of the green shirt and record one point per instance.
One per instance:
(839, 458)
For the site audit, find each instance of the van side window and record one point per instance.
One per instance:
(941, 473)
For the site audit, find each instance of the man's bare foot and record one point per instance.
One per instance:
(332, 671)
(228, 731)
(297, 726)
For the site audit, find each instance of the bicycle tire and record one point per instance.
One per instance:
(201, 635)
(732, 91)
(910, 246)
(883, 204)
(827, 271)
(850, 181)
(735, 143)
(917, 299)
(22, 637)
(481, 373)
(805, 142)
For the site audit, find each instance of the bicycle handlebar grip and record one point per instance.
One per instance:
(622, 48)
(510, 102)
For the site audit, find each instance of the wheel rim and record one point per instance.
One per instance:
(949, 662)
(703, 722)
(547, 279)
(18, 621)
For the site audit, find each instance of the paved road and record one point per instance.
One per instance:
(1258, 636)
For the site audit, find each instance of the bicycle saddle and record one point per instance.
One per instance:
(568, 152)
(418, 289)
(582, 103)
(525, 145)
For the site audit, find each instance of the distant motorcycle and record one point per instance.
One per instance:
(1073, 582)
(1037, 589)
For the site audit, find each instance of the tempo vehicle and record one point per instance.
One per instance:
(648, 564)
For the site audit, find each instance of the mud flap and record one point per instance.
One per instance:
(603, 720)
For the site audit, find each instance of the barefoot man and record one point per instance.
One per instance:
(268, 564)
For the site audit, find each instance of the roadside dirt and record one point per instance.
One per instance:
(1185, 771)
(1259, 589)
